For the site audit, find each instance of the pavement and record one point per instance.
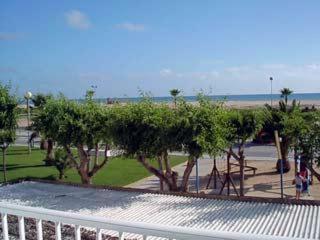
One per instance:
(22, 138)
(253, 152)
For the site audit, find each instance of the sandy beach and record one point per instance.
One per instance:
(253, 104)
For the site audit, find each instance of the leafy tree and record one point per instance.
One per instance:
(8, 122)
(245, 124)
(290, 124)
(146, 131)
(149, 130)
(174, 93)
(203, 129)
(40, 99)
(62, 162)
(80, 126)
(285, 92)
(309, 141)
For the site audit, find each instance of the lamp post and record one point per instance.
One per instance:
(28, 96)
(271, 79)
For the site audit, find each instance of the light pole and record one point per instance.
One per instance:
(271, 79)
(28, 96)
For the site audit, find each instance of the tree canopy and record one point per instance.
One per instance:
(8, 120)
(40, 99)
(285, 93)
(8, 115)
(148, 130)
(82, 126)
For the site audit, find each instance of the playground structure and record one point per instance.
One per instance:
(215, 175)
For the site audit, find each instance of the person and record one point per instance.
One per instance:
(299, 182)
(306, 176)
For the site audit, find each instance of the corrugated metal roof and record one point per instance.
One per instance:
(296, 221)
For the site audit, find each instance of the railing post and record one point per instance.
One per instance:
(98, 234)
(4, 219)
(39, 229)
(58, 230)
(22, 233)
(121, 235)
(77, 232)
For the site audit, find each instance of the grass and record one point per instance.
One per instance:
(119, 171)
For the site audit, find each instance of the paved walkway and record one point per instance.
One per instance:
(266, 182)
(252, 152)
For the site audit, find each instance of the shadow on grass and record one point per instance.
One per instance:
(13, 152)
(16, 166)
(28, 178)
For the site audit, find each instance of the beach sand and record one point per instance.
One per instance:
(253, 104)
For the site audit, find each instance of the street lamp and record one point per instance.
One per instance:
(28, 96)
(271, 79)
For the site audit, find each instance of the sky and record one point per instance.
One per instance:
(124, 47)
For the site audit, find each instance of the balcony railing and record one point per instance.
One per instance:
(78, 221)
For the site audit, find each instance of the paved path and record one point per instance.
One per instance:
(252, 152)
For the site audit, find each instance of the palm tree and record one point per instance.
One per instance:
(174, 93)
(285, 92)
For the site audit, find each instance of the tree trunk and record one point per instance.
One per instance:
(314, 172)
(83, 167)
(186, 174)
(159, 159)
(154, 171)
(241, 164)
(241, 182)
(50, 149)
(4, 167)
(85, 179)
(284, 145)
(172, 175)
(61, 175)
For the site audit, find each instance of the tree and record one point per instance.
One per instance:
(40, 99)
(203, 129)
(285, 92)
(147, 130)
(245, 124)
(80, 126)
(289, 122)
(174, 93)
(8, 122)
(309, 141)
(62, 162)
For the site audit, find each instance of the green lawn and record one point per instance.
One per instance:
(119, 171)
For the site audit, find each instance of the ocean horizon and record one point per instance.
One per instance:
(230, 97)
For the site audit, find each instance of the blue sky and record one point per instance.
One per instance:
(222, 47)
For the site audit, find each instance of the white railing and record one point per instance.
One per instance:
(145, 230)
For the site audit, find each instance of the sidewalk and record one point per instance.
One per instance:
(265, 183)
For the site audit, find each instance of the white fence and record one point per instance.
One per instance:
(143, 230)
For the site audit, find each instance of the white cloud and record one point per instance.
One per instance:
(166, 72)
(244, 79)
(131, 27)
(6, 36)
(314, 66)
(78, 20)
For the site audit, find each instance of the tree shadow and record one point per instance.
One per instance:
(20, 151)
(16, 166)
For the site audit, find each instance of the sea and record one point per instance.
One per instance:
(247, 97)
